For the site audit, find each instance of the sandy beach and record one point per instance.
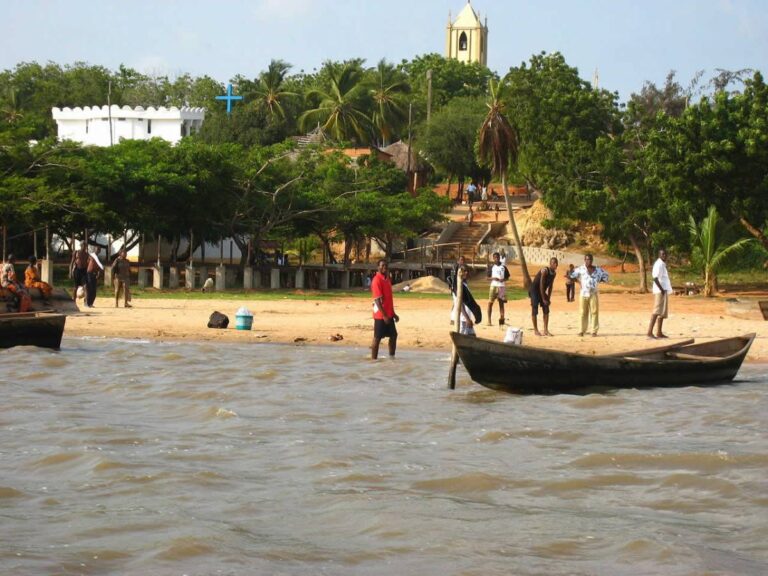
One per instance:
(424, 323)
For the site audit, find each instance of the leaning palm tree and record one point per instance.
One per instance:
(499, 146)
(339, 112)
(268, 90)
(388, 88)
(708, 240)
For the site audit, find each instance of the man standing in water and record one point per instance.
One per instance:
(661, 289)
(384, 317)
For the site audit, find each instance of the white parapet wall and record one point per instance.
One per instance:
(90, 125)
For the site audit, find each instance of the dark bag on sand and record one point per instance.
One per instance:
(218, 320)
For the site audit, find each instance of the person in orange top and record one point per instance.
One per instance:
(32, 279)
(9, 281)
(384, 316)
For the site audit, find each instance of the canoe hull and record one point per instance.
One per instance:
(32, 329)
(524, 369)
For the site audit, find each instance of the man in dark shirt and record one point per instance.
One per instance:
(541, 294)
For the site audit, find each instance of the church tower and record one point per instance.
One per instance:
(466, 38)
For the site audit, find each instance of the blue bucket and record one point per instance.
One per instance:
(243, 322)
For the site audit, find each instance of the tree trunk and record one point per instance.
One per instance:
(641, 264)
(710, 282)
(762, 238)
(515, 235)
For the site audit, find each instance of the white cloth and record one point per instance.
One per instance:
(497, 271)
(96, 259)
(660, 272)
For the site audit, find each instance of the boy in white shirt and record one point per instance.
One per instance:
(661, 290)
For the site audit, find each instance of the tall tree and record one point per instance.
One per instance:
(498, 145)
(389, 88)
(340, 110)
(269, 90)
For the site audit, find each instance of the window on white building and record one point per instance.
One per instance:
(149, 126)
(463, 41)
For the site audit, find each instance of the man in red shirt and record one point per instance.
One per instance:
(384, 316)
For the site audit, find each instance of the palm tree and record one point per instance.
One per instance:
(388, 88)
(339, 112)
(708, 239)
(499, 146)
(268, 87)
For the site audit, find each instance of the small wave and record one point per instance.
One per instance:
(182, 548)
(591, 483)
(8, 492)
(472, 482)
(217, 412)
(706, 462)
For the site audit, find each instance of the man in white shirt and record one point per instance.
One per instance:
(661, 290)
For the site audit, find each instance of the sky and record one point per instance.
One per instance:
(628, 42)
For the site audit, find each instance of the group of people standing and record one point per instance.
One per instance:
(86, 269)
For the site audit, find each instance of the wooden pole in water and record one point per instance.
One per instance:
(459, 283)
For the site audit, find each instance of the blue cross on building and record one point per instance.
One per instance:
(229, 98)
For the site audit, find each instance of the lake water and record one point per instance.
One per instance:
(140, 458)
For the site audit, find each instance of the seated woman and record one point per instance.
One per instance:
(32, 279)
(9, 281)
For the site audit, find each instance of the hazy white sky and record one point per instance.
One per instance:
(628, 41)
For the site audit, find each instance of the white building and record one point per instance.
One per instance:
(91, 124)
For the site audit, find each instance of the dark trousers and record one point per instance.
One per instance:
(90, 287)
(569, 291)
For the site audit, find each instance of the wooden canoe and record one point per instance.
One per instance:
(32, 329)
(530, 370)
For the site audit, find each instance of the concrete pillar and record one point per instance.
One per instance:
(324, 279)
(248, 278)
(221, 277)
(108, 275)
(274, 279)
(173, 277)
(189, 280)
(142, 277)
(157, 276)
(46, 271)
(299, 278)
(345, 280)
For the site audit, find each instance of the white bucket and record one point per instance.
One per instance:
(514, 336)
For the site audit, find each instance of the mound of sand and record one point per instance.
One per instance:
(424, 285)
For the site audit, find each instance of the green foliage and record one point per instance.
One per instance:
(712, 248)
(448, 142)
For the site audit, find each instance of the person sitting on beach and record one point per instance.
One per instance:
(121, 274)
(541, 294)
(589, 276)
(10, 282)
(32, 279)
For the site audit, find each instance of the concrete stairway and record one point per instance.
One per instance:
(467, 236)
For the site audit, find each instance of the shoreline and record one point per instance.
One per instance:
(424, 323)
